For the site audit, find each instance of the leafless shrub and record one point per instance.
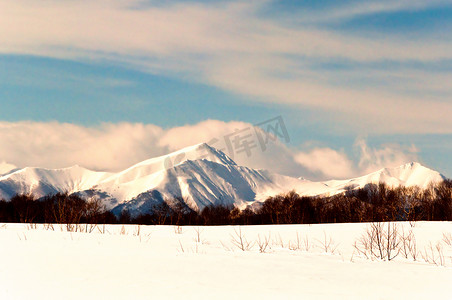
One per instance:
(353, 254)
(447, 238)
(306, 244)
(48, 226)
(137, 230)
(392, 241)
(361, 247)
(300, 244)
(408, 246)
(70, 227)
(263, 243)
(279, 241)
(24, 236)
(102, 230)
(381, 241)
(434, 254)
(32, 226)
(295, 245)
(181, 248)
(123, 230)
(225, 246)
(239, 240)
(178, 229)
(90, 227)
(198, 237)
(74, 227)
(196, 248)
(327, 244)
(439, 249)
(79, 228)
(148, 237)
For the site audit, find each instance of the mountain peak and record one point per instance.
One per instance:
(200, 151)
(407, 167)
(409, 174)
(411, 165)
(155, 165)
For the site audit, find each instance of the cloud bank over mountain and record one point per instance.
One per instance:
(197, 176)
(113, 147)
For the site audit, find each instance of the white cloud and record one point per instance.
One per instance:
(108, 28)
(386, 156)
(113, 147)
(333, 164)
(328, 162)
(231, 46)
(55, 145)
(6, 167)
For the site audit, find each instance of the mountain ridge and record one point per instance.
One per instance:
(198, 175)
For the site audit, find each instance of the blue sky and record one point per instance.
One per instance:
(365, 84)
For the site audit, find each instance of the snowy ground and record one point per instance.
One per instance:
(147, 262)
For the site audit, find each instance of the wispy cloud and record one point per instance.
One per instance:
(386, 156)
(232, 46)
(345, 10)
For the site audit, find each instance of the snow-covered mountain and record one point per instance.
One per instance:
(41, 182)
(196, 176)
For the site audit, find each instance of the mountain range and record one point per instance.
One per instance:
(198, 176)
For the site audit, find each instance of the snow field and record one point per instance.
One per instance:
(149, 262)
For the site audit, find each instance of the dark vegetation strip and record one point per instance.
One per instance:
(373, 203)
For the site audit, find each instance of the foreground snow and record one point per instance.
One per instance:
(144, 262)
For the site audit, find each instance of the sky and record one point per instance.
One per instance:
(358, 85)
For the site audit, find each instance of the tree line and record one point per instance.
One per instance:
(61, 208)
(372, 203)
